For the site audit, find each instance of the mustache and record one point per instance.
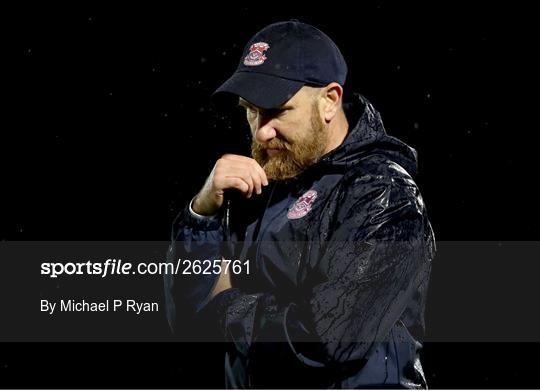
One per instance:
(274, 144)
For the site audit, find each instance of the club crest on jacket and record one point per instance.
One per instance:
(302, 206)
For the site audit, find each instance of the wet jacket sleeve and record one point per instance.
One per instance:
(361, 280)
(194, 237)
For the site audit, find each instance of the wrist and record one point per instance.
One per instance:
(201, 208)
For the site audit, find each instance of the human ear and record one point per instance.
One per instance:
(332, 95)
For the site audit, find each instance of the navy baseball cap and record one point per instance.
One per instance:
(279, 60)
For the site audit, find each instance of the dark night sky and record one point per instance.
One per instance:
(110, 122)
(108, 128)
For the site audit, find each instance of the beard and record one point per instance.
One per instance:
(295, 156)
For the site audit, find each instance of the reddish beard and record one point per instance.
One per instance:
(295, 156)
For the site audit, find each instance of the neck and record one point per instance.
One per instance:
(337, 131)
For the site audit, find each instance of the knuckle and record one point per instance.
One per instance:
(219, 164)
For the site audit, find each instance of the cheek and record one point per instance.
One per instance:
(287, 135)
(289, 130)
(294, 132)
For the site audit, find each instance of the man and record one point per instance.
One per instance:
(334, 228)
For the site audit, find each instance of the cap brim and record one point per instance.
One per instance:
(259, 89)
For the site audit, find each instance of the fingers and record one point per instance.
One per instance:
(241, 178)
(239, 172)
(230, 172)
(249, 161)
(236, 183)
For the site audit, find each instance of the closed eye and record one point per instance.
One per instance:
(272, 113)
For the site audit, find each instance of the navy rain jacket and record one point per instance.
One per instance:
(339, 265)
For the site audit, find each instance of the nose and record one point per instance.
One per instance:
(265, 130)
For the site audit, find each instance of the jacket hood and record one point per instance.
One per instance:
(366, 138)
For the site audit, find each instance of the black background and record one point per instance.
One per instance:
(108, 130)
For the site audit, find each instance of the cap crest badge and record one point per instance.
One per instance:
(256, 54)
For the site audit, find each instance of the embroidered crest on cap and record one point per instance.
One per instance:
(302, 206)
(256, 54)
